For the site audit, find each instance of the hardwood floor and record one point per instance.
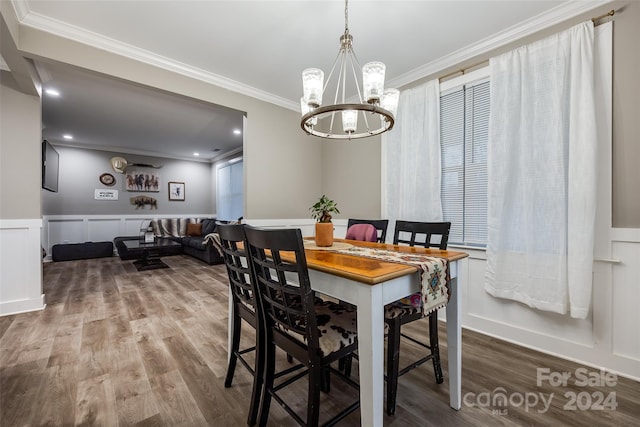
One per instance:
(118, 347)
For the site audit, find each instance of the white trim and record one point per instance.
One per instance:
(22, 306)
(20, 223)
(3, 64)
(554, 16)
(551, 353)
(20, 266)
(631, 235)
(62, 29)
(523, 29)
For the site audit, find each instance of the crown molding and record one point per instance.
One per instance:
(124, 150)
(3, 64)
(523, 29)
(72, 32)
(20, 8)
(563, 12)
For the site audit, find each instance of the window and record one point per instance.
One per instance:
(464, 126)
(229, 194)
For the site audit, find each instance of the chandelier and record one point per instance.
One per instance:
(376, 105)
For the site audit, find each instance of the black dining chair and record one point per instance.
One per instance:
(380, 225)
(426, 234)
(316, 333)
(243, 296)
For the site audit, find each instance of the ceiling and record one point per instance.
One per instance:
(257, 48)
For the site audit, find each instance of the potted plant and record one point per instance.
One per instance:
(321, 212)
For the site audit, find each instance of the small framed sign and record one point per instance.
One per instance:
(104, 194)
(107, 179)
(176, 191)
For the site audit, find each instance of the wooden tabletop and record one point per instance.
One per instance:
(367, 270)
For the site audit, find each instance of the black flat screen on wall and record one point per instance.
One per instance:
(50, 162)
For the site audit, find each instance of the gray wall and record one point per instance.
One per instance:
(78, 179)
(20, 152)
(286, 171)
(282, 169)
(351, 175)
(626, 117)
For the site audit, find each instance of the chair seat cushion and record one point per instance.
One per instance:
(362, 232)
(405, 307)
(337, 326)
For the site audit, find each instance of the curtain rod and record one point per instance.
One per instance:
(462, 71)
(597, 18)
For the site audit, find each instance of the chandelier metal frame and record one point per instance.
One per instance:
(346, 61)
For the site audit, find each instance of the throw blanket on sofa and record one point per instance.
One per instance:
(434, 273)
(214, 238)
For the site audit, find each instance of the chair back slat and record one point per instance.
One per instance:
(422, 234)
(237, 264)
(380, 225)
(282, 286)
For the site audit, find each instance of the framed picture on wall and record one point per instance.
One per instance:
(176, 191)
(142, 181)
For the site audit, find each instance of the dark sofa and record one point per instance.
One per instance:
(190, 232)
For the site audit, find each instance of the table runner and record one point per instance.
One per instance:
(433, 271)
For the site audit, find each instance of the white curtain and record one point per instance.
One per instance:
(542, 169)
(411, 158)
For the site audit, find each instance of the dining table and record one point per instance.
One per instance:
(370, 284)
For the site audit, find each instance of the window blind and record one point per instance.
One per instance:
(464, 125)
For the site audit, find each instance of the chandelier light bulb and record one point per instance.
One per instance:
(304, 109)
(378, 114)
(312, 86)
(389, 101)
(373, 81)
(349, 121)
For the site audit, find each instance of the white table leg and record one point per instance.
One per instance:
(454, 345)
(371, 355)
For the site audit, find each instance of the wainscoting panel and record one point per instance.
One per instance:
(626, 300)
(482, 307)
(20, 266)
(103, 230)
(58, 229)
(71, 230)
(306, 226)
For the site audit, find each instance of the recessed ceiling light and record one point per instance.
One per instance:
(67, 136)
(196, 154)
(237, 131)
(52, 92)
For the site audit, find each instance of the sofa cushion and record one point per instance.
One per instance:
(193, 242)
(208, 226)
(194, 229)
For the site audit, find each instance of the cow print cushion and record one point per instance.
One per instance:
(399, 309)
(336, 325)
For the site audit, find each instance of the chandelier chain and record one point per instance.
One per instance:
(346, 17)
(372, 105)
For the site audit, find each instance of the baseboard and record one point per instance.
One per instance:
(22, 306)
